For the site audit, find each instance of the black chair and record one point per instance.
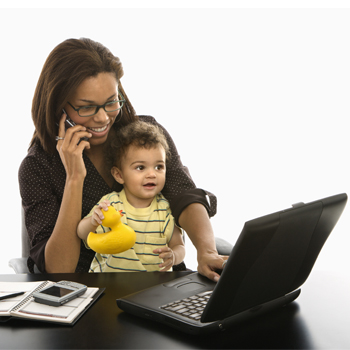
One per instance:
(19, 265)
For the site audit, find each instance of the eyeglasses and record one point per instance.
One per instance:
(112, 106)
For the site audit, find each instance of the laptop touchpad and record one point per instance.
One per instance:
(188, 287)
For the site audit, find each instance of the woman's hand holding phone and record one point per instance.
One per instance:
(71, 148)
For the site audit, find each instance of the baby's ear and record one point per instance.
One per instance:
(117, 174)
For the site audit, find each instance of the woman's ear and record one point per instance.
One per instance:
(117, 174)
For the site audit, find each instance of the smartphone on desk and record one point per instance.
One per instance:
(59, 293)
(69, 123)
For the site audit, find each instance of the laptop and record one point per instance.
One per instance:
(271, 259)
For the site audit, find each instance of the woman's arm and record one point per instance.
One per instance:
(63, 247)
(51, 189)
(44, 192)
(195, 221)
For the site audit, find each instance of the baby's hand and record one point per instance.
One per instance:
(168, 257)
(97, 216)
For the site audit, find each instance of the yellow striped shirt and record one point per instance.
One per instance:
(153, 227)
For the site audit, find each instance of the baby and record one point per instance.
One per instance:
(139, 152)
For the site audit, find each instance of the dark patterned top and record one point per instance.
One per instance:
(42, 180)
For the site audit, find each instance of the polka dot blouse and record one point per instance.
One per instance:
(42, 180)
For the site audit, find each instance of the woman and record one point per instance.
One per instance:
(65, 173)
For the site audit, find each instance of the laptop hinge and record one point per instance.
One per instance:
(297, 205)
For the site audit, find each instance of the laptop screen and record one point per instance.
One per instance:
(273, 256)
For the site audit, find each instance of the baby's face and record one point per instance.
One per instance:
(143, 174)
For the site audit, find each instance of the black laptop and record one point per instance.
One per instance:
(271, 259)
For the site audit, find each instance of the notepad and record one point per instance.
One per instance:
(24, 306)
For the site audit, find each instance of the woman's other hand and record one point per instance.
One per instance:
(209, 263)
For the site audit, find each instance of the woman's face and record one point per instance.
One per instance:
(95, 91)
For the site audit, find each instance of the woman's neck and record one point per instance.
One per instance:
(95, 151)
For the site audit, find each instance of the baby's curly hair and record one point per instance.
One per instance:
(139, 134)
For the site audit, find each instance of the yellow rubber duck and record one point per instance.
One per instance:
(121, 237)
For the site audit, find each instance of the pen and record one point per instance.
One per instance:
(12, 295)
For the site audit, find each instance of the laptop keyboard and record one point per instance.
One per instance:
(191, 307)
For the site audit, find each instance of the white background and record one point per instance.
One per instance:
(255, 96)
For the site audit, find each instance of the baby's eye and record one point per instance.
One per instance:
(160, 167)
(140, 167)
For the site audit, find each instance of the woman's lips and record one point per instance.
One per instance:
(99, 129)
(99, 132)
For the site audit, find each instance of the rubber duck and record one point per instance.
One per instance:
(120, 238)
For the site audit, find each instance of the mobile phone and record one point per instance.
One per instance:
(59, 293)
(69, 123)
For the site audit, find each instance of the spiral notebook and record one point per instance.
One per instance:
(25, 307)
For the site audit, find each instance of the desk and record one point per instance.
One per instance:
(319, 318)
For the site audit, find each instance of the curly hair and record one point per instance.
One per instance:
(139, 134)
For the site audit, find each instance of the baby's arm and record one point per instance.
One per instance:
(90, 223)
(174, 253)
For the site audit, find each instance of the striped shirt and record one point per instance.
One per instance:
(153, 226)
